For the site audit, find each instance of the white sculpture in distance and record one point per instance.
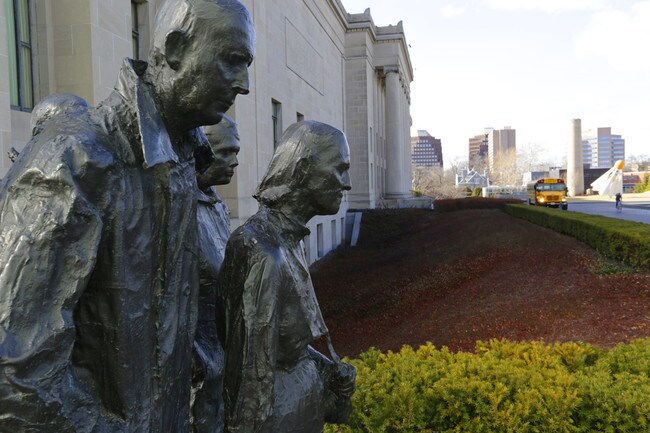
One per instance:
(611, 182)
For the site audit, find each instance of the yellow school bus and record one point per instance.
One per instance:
(548, 192)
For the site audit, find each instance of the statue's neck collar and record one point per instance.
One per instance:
(151, 132)
(287, 223)
(208, 196)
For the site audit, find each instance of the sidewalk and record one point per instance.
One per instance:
(627, 197)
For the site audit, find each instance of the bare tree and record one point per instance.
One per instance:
(637, 162)
(531, 158)
(505, 170)
(435, 182)
(479, 164)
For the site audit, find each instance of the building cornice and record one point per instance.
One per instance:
(340, 12)
(363, 22)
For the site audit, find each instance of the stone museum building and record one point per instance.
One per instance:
(314, 60)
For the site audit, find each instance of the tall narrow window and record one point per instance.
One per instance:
(135, 30)
(300, 117)
(333, 234)
(319, 240)
(306, 247)
(19, 42)
(276, 119)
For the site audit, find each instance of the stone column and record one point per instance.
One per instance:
(407, 168)
(575, 175)
(394, 139)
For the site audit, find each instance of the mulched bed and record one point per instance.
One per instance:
(457, 277)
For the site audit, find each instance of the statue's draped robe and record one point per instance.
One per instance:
(271, 315)
(214, 231)
(98, 272)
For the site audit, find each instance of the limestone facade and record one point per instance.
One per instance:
(313, 60)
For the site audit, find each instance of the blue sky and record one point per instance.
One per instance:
(529, 64)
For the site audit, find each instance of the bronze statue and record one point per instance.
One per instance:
(274, 380)
(213, 218)
(50, 107)
(98, 269)
(55, 105)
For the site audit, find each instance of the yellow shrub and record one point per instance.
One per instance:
(504, 387)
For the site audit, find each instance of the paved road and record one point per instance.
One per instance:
(632, 210)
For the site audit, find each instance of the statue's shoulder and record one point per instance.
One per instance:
(258, 237)
(88, 133)
(73, 144)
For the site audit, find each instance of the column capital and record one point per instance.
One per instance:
(385, 70)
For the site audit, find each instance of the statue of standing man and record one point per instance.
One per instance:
(214, 168)
(98, 270)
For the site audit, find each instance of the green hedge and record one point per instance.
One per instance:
(504, 387)
(626, 241)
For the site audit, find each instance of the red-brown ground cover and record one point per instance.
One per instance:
(454, 278)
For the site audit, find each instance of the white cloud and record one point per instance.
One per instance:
(450, 11)
(549, 6)
(622, 38)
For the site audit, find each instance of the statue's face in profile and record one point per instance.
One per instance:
(215, 69)
(329, 177)
(225, 149)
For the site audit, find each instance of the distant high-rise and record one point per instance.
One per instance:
(601, 148)
(500, 142)
(478, 148)
(426, 150)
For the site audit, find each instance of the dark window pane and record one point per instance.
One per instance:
(27, 85)
(20, 54)
(134, 16)
(23, 9)
(11, 45)
(135, 34)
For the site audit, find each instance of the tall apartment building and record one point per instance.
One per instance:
(500, 142)
(478, 148)
(314, 60)
(426, 151)
(601, 148)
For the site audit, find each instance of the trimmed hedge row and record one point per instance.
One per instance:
(504, 387)
(455, 204)
(625, 241)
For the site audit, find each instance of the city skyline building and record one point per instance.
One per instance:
(478, 149)
(500, 142)
(601, 148)
(426, 150)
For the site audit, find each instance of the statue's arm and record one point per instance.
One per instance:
(251, 350)
(339, 383)
(49, 235)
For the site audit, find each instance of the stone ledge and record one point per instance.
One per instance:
(407, 203)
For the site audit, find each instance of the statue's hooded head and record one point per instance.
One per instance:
(56, 105)
(309, 170)
(200, 57)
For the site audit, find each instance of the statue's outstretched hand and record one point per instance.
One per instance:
(339, 389)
